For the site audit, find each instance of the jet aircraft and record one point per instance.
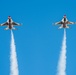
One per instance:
(10, 24)
(64, 23)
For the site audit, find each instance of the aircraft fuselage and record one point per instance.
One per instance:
(10, 24)
(64, 23)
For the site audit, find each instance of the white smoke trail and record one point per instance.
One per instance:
(62, 59)
(13, 57)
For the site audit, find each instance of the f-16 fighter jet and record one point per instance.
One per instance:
(10, 24)
(64, 23)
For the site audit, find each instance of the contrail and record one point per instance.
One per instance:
(13, 57)
(62, 60)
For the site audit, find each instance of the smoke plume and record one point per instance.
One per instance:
(62, 60)
(13, 57)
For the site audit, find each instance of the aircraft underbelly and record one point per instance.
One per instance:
(64, 25)
(10, 26)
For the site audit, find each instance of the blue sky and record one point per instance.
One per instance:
(38, 42)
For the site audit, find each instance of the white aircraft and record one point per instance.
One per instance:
(10, 24)
(64, 23)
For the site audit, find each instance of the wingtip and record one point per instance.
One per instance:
(54, 24)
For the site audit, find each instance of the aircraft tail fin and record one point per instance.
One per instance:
(63, 27)
(67, 26)
(60, 27)
(14, 28)
(6, 28)
(10, 29)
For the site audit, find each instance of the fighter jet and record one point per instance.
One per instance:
(10, 24)
(64, 23)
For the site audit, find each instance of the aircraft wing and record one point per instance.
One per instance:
(14, 23)
(68, 22)
(4, 24)
(58, 23)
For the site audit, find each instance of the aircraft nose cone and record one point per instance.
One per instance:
(64, 16)
(9, 17)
